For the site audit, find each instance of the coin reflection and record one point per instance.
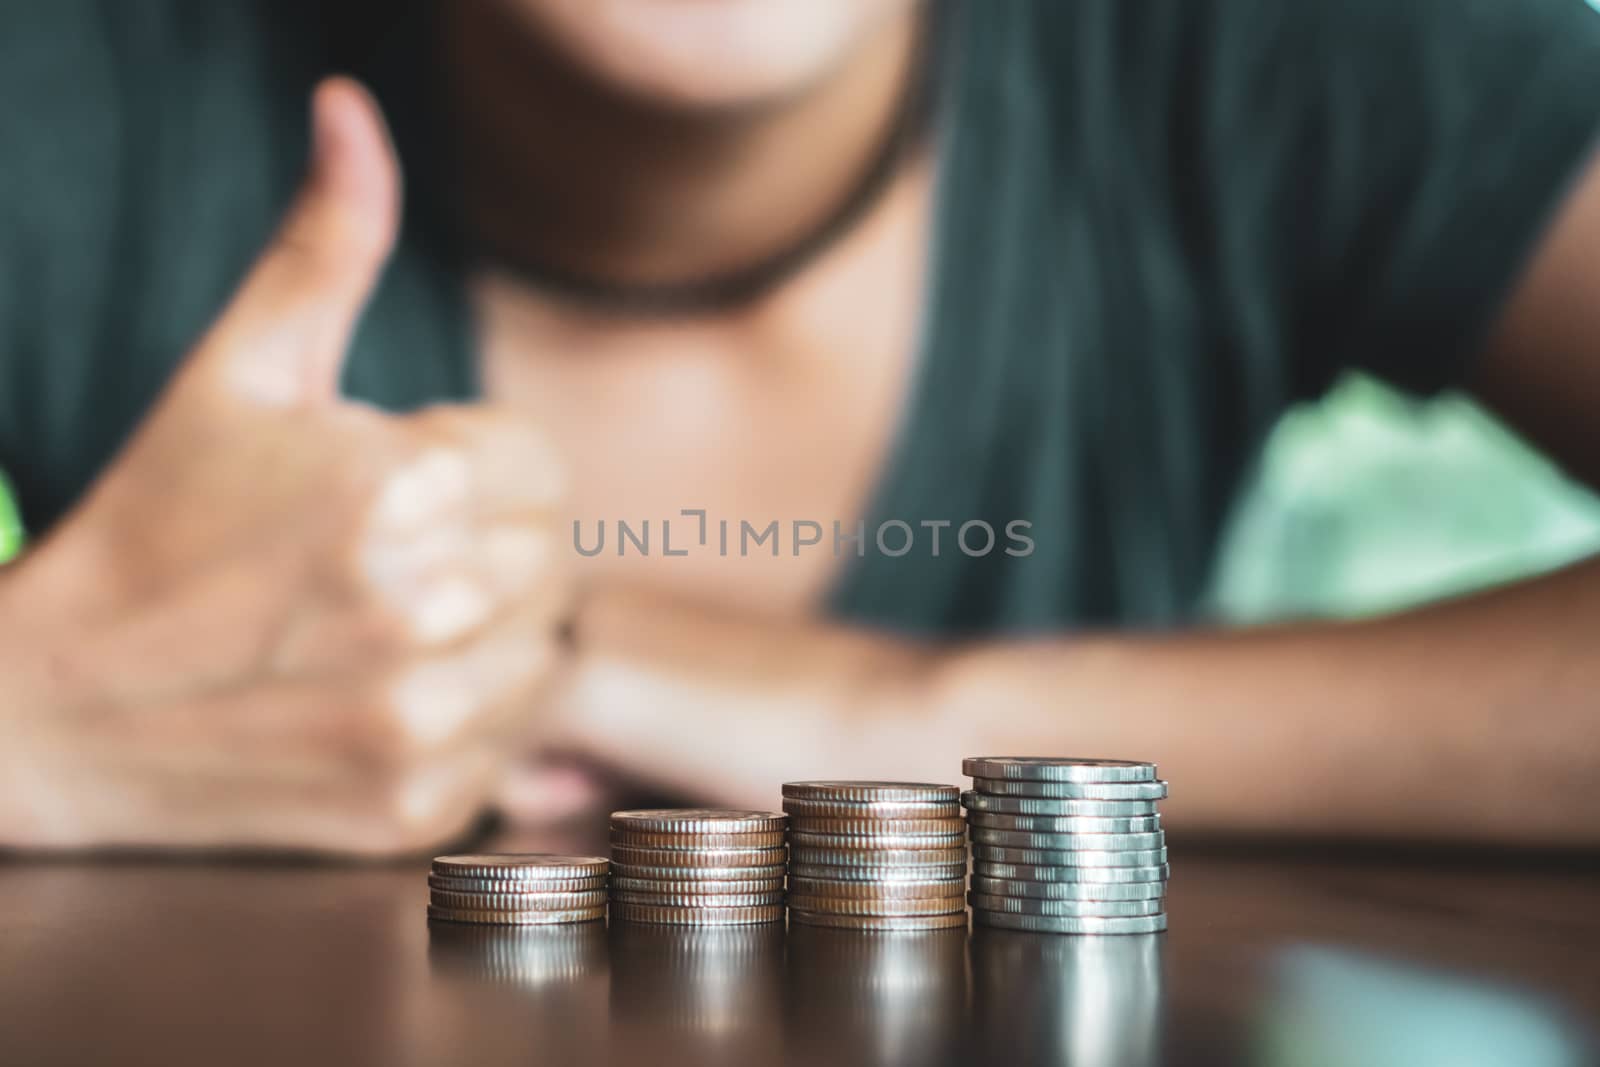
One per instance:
(1079, 1001)
(529, 956)
(702, 995)
(880, 998)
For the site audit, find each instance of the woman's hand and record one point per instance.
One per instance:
(280, 618)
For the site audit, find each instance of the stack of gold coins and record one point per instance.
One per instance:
(697, 866)
(517, 889)
(876, 855)
(1066, 846)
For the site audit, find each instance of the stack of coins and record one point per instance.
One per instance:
(1066, 846)
(876, 855)
(697, 866)
(517, 889)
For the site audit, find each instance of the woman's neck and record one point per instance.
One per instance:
(559, 169)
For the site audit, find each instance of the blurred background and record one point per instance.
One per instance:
(1370, 501)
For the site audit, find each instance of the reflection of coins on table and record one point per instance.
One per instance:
(876, 855)
(1100, 997)
(898, 997)
(517, 889)
(1066, 846)
(697, 994)
(698, 866)
(529, 956)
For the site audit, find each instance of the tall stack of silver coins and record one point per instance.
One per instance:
(1066, 846)
(875, 855)
(697, 866)
(517, 889)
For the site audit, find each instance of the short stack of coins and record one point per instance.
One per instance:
(697, 866)
(876, 855)
(1066, 846)
(517, 889)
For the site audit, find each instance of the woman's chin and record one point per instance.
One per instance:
(710, 54)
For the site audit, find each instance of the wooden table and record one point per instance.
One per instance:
(1271, 959)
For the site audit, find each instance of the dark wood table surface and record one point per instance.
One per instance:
(1272, 958)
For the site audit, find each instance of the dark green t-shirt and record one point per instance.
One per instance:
(1160, 223)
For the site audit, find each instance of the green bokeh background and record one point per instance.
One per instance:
(1366, 502)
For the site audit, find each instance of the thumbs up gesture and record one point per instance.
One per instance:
(282, 618)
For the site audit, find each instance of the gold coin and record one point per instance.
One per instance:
(920, 890)
(954, 825)
(870, 791)
(594, 898)
(880, 922)
(679, 916)
(838, 906)
(502, 885)
(516, 918)
(710, 857)
(697, 841)
(699, 820)
(523, 866)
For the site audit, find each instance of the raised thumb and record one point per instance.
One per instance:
(283, 337)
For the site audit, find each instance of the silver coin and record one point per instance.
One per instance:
(878, 857)
(503, 885)
(695, 887)
(699, 820)
(1058, 769)
(1098, 809)
(1065, 824)
(1000, 787)
(1002, 887)
(660, 913)
(823, 872)
(524, 866)
(1050, 924)
(1075, 908)
(869, 791)
(896, 890)
(983, 835)
(1148, 857)
(871, 809)
(854, 842)
(443, 898)
(693, 858)
(1022, 872)
(948, 921)
(697, 900)
(697, 874)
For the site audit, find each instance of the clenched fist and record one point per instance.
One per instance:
(282, 618)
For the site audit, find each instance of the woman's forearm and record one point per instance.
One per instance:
(1475, 720)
